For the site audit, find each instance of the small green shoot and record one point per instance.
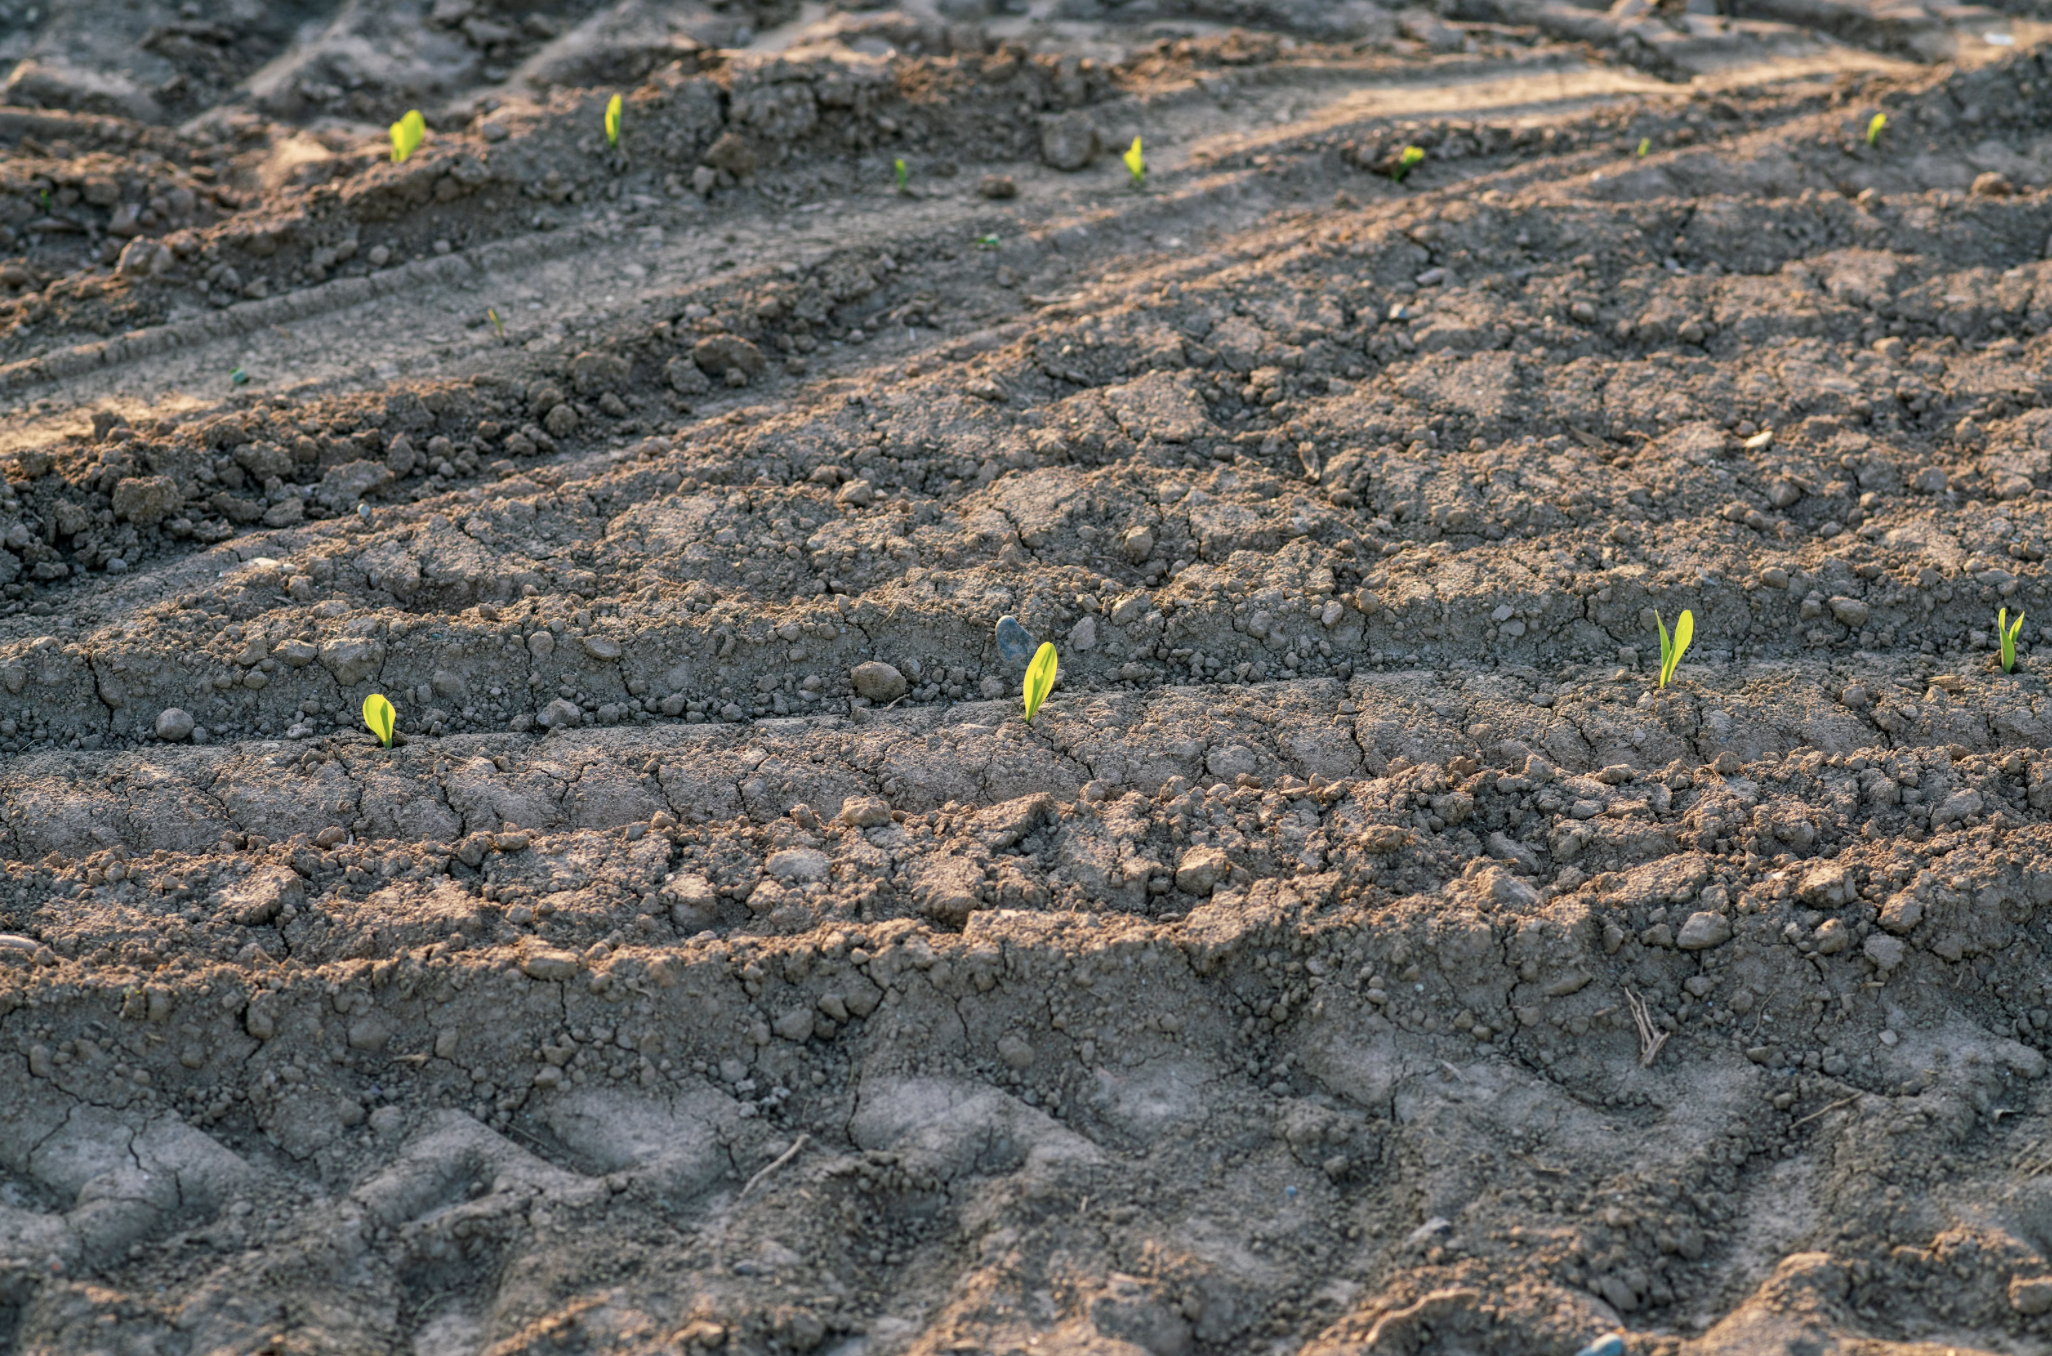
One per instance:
(1407, 160)
(1136, 164)
(903, 175)
(407, 134)
(45, 197)
(987, 242)
(1040, 676)
(492, 314)
(380, 717)
(613, 121)
(238, 377)
(1874, 126)
(1672, 650)
(1645, 145)
(2010, 631)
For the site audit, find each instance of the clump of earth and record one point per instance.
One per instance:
(1361, 951)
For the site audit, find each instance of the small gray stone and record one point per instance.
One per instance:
(561, 713)
(344, 485)
(602, 648)
(1957, 806)
(1068, 141)
(147, 499)
(1201, 869)
(1703, 931)
(723, 353)
(1853, 612)
(878, 681)
(351, 659)
(1900, 914)
(1886, 952)
(1083, 635)
(551, 965)
(1015, 643)
(174, 725)
(797, 863)
(865, 812)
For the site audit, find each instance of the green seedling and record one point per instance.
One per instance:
(2010, 631)
(987, 242)
(1136, 164)
(379, 715)
(238, 377)
(1874, 126)
(903, 175)
(613, 121)
(1672, 649)
(407, 134)
(1407, 160)
(492, 314)
(44, 196)
(1645, 145)
(1040, 676)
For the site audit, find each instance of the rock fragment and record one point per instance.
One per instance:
(878, 681)
(1703, 931)
(1201, 869)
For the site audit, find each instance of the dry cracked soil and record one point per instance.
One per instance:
(1361, 952)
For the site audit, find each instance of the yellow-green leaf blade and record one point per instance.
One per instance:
(1040, 678)
(613, 121)
(380, 717)
(1684, 632)
(1135, 164)
(407, 134)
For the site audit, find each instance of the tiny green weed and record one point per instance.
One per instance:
(1645, 145)
(1040, 677)
(903, 175)
(1136, 163)
(492, 314)
(380, 717)
(987, 242)
(1672, 649)
(407, 134)
(1407, 160)
(613, 121)
(1875, 125)
(2010, 631)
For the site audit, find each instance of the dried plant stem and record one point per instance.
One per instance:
(1650, 1037)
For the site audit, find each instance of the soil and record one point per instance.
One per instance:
(1362, 950)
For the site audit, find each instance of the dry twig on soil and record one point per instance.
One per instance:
(1650, 1038)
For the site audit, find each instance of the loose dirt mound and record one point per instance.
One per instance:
(1361, 952)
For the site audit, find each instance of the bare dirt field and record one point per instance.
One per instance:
(1361, 952)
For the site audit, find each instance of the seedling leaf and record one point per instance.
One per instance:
(613, 121)
(1645, 145)
(902, 174)
(1874, 126)
(380, 717)
(1136, 164)
(407, 134)
(492, 313)
(1673, 648)
(1040, 677)
(1407, 160)
(2010, 631)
